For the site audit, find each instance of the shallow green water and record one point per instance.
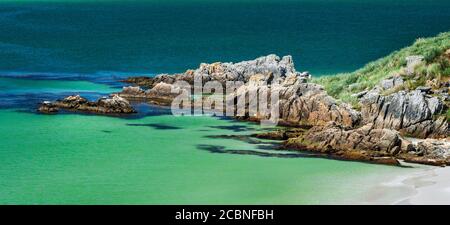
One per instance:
(79, 159)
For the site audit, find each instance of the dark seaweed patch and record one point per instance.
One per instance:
(154, 125)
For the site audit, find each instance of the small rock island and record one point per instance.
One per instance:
(106, 105)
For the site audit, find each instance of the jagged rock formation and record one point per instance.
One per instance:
(106, 105)
(306, 104)
(413, 113)
(271, 66)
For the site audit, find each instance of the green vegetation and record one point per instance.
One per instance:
(448, 115)
(342, 86)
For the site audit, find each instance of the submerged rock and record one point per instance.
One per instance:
(281, 134)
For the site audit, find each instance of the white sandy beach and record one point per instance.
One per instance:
(427, 185)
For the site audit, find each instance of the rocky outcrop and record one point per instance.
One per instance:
(271, 66)
(366, 143)
(391, 83)
(106, 105)
(304, 104)
(300, 103)
(367, 138)
(150, 82)
(429, 151)
(132, 92)
(363, 144)
(160, 94)
(412, 113)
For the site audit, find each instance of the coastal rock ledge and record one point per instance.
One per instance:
(371, 144)
(366, 143)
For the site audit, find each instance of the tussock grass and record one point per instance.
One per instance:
(342, 86)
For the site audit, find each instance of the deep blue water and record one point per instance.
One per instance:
(155, 37)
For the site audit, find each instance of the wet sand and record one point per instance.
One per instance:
(427, 185)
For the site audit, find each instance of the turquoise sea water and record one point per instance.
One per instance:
(53, 49)
(80, 159)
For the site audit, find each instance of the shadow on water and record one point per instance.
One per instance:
(244, 138)
(269, 149)
(234, 128)
(154, 125)
(222, 150)
(145, 109)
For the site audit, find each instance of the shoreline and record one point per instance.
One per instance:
(427, 185)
